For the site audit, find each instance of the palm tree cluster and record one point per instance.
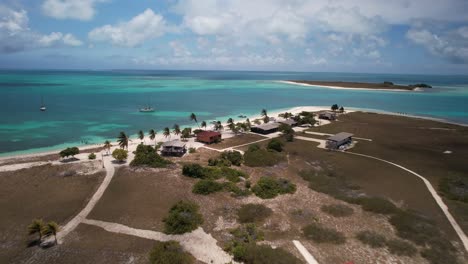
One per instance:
(43, 229)
(265, 116)
(123, 140)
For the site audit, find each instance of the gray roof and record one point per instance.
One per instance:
(174, 143)
(268, 126)
(288, 122)
(340, 136)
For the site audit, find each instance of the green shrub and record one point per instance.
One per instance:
(275, 145)
(268, 187)
(258, 157)
(235, 190)
(247, 184)
(235, 157)
(250, 213)
(120, 154)
(69, 152)
(192, 150)
(414, 227)
(264, 254)
(377, 205)
(219, 162)
(193, 170)
(321, 234)
(206, 187)
(454, 187)
(92, 156)
(183, 217)
(170, 252)
(337, 210)
(401, 248)
(372, 239)
(147, 156)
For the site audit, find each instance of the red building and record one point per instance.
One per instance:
(209, 137)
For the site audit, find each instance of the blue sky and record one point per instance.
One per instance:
(390, 36)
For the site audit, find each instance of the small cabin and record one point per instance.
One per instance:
(267, 128)
(209, 137)
(173, 148)
(327, 116)
(288, 122)
(338, 140)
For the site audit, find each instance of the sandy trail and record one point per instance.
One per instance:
(434, 194)
(305, 253)
(322, 143)
(198, 243)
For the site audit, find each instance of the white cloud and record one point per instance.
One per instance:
(70, 9)
(15, 34)
(179, 50)
(140, 28)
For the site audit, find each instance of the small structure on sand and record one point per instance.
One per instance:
(264, 129)
(209, 137)
(173, 148)
(288, 122)
(338, 140)
(327, 116)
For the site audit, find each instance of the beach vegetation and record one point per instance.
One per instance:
(203, 124)
(169, 252)
(92, 156)
(218, 126)
(51, 229)
(147, 156)
(176, 129)
(207, 186)
(253, 213)
(247, 184)
(334, 107)
(152, 134)
(122, 140)
(193, 117)
(235, 190)
(69, 152)
(36, 227)
(120, 154)
(183, 217)
(255, 156)
(342, 109)
(328, 182)
(401, 248)
(193, 170)
(454, 187)
(269, 187)
(141, 136)
(337, 210)
(166, 132)
(321, 234)
(420, 85)
(186, 132)
(304, 118)
(234, 157)
(288, 132)
(386, 83)
(192, 150)
(275, 145)
(377, 205)
(371, 239)
(265, 254)
(107, 146)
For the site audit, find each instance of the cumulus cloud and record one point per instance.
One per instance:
(179, 49)
(70, 9)
(452, 46)
(15, 34)
(142, 27)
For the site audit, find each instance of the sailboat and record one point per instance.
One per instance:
(42, 108)
(147, 109)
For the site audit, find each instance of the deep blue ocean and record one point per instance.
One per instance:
(91, 106)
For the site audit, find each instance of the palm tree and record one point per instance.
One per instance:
(51, 229)
(176, 129)
(249, 125)
(37, 226)
(166, 132)
(193, 117)
(123, 139)
(107, 146)
(218, 126)
(264, 113)
(141, 136)
(230, 121)
(203, 124)
(152, 134)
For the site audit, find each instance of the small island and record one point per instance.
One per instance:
(361, 85)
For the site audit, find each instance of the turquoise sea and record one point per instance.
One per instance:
(91, 106)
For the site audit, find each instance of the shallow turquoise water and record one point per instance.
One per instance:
(89, 106)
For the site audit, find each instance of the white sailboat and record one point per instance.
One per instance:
(147, 109)
(43, 107)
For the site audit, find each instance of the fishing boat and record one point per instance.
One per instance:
(147, 109)
(43, 107)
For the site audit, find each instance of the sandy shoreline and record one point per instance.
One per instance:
(349, 88)
(274, 113)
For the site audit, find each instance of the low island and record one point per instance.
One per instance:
(360, 85)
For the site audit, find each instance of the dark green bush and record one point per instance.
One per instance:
(250, 213)
(235, 157)
(69, 152)
(454, 187)
(92, 156)
(147, 156)
(192, 150)
(235, 190)
(193, 170)
(219, 162)
(259, 157)
(401, 248)
(377, 205)
(268, 187)
(183, 217)
(197, 171)
(321, 234)
(170, 252)
(264, 254)
(206, 187)
(372, 239)
(275, 145)
(337, 210)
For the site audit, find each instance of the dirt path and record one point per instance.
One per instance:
(305, 253)
(200, 244)
(322, 143)
(72, 224)
(434, 194)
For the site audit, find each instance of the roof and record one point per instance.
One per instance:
(174, 143)
(208, 133)
(268, 126)
(288, 122)
(340, 136)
